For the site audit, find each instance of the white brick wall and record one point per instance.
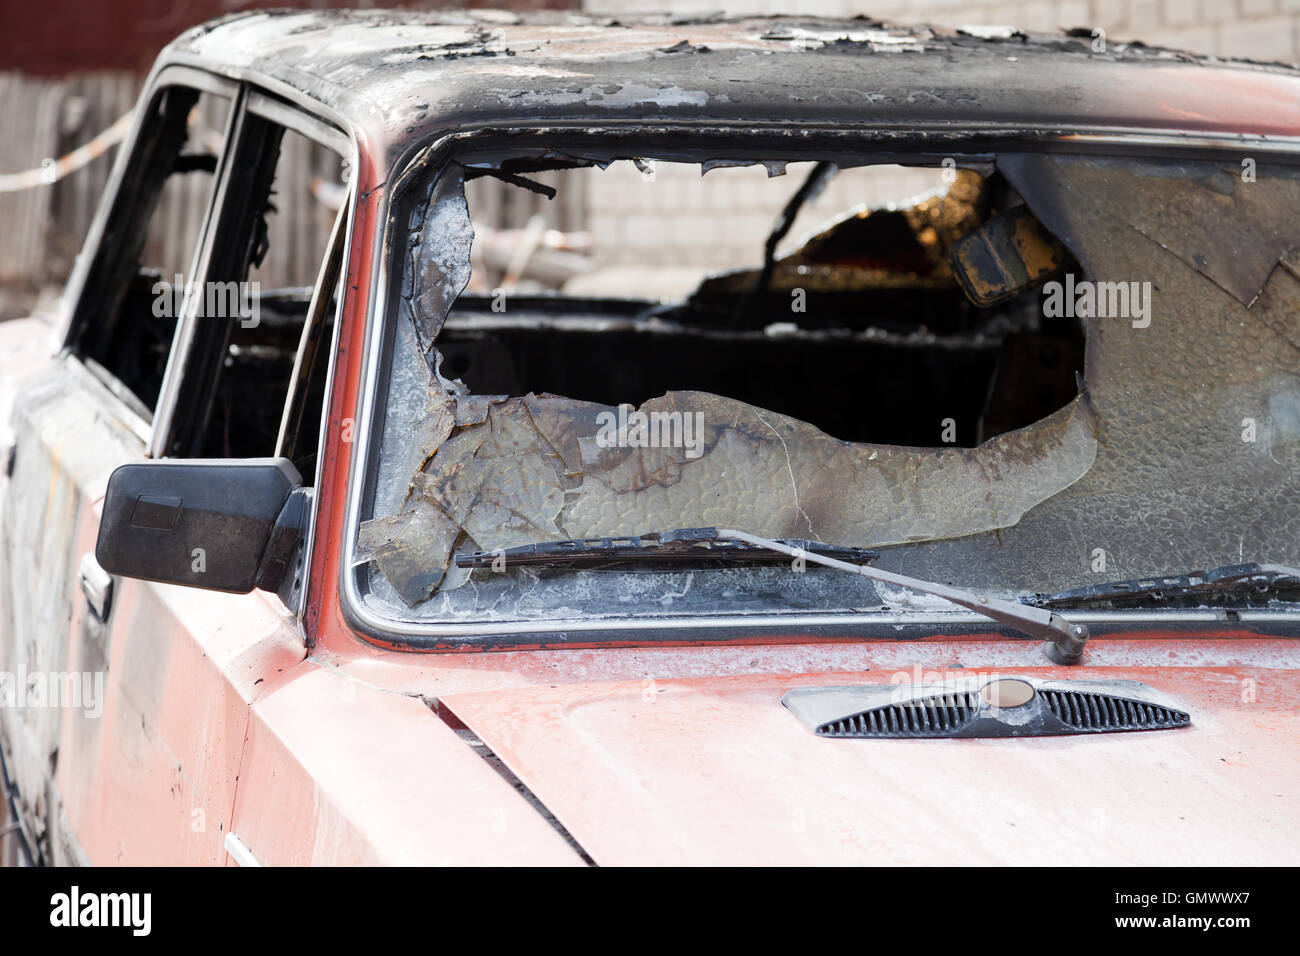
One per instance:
(722, 219)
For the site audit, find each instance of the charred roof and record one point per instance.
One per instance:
(408, 76)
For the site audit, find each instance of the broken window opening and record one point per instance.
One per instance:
(1180, 450)
(280, 211)
(495, 457)
(861, 329)
(146, 255)
(285, 233)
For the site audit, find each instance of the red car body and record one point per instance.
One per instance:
(234, 730)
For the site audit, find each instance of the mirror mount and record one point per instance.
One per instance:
(280, 568)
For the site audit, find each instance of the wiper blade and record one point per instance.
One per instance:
(1065, 641)
(686, 545)
(1195, 587)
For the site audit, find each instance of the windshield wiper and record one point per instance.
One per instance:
(1193, 588)
(1065, 641)
(681, 545)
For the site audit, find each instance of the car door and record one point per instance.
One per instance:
(142, 766)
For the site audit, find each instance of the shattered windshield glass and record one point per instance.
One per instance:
(1049, 372)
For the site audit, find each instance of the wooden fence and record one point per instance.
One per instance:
(42, 228)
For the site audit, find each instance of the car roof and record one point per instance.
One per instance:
(405, 76)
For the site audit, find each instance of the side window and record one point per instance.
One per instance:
(133, 295)
(254, 380)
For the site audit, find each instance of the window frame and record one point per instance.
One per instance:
(190, 348)
(387, 628)
(120, 194)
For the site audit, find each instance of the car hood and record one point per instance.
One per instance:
(717, 771)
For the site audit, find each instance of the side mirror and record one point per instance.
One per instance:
(222, 524)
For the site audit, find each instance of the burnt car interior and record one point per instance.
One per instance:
(864, 331)
(242, 374)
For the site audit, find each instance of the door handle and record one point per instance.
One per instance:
(97, 586)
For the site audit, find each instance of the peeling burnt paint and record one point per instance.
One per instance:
(409, 77)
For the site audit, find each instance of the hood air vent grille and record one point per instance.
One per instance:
(996, 706)
(927, 717)
(1103, 712)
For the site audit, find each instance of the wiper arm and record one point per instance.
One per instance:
(681, 545)
(1233, 580)
(1065, 641)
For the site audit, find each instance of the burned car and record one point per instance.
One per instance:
(446, 551)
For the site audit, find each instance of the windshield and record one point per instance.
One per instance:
(1035, 374)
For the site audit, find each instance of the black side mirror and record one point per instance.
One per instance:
(222, 524)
